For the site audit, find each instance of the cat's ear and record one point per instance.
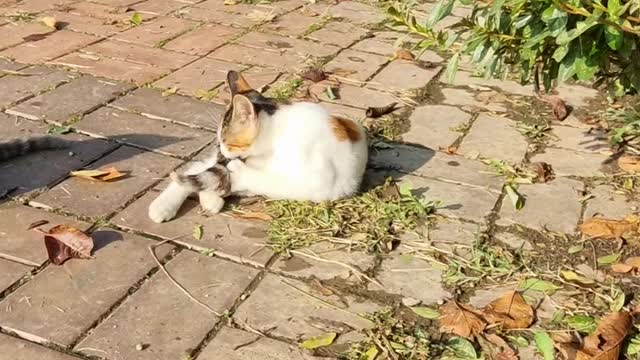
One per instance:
(244, 113)
(243, 128)
(237, 84)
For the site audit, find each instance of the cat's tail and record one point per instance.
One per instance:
(18, 147)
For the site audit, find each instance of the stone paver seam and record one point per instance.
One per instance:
(470, 123)
(23, 280)
(32, 95)
(7, 73)
(50, 346)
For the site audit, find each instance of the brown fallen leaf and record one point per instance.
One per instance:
(404, 54)
(317, 286)
(607, 228)
(100, 175)
(629, 164)
(605, 342)
(621, 268)
(315, 75)
(36, 224)
(461, 320)
(500, 349)
(452, 150)
(560, 110)
(253, 215)
(64, 242)
(511, 311)
(543, 171)
(633, 261)
(376, 112)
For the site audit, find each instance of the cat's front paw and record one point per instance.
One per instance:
(161, 211)
(211, 202)
(235, 165)
(236, 173)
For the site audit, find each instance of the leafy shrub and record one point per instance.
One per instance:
(588, 40)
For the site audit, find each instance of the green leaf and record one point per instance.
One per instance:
(567, 69)
(572, 276)
(405, 189)
(614, 37)
(516, 199)
(463, 348)
(319, 341)
(582, 323)
(207, 95)
(614, 6)
(538, 285)
(136, 19)
(560, 53)
(633, 348)
(609, 259)
(618, 302)
(442, 9)
(197, 232)
(523, 21)
(452, 68)
(544, 344)
(576, 249)
(59, 130)
(582, 26)
(371, 353)
(519, 341)
(426, 312)
(330, 94)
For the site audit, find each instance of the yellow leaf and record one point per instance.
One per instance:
(319, 341)
(49, 21)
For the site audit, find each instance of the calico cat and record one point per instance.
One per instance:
(281, 151)
(10, 149)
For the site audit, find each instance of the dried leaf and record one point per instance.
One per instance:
(113, 174)
(36, 224)
(543, 171)
(404, 54)
(230, 2)
(452, 150)
(253, 215)
(330, 93)
(207, 95)
(371, 353)
(629, 163)
(461, 320)
(170, 91)
(426, 312)
(317, 286)
(49, 21)
(101, 175)
(621, 268)
(573, 276)
(560, 109)
(376, 112)
(607, 228)
(633, 261)
(500, 348)
(511, 311)
(64, 242)
(606, 341)
(197, 232)
(319, 341)
(544, 344)
(516, 199)
(315, 75)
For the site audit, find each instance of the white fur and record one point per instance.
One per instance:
(297, 156)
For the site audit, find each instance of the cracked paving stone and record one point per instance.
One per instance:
(494, 138)
(96, 199)
(23, 350)
(162, 317)
(434, 126)
(237, 239)
(555, 206)
(78, 291)
(570, 163)
(299, 316)
(606, 202)
(73, 98)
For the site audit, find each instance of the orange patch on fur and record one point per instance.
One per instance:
(241, 140)
(345, 129)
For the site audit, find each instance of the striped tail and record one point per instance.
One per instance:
(18, 147)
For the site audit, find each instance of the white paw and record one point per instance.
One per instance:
(211, 202)
(235, 165)
(237, 171)
(161, 211)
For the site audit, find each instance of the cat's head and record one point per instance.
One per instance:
(241, 124)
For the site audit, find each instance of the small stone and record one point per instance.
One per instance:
(139, 347)
(409, 301)
(71, 153)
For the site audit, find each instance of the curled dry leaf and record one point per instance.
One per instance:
(500, 349)
(253, 215)
(64, 242)
(560, 110)
(543, 171)
(461, 320)
(633, 261)
(404, 54)
(511, 311)
(100, 175)
(376, 112)
(608, 228)
(629, 163)
(315, 75)
(621, 268)
(606, 341)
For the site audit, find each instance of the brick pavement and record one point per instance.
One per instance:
(134, 96)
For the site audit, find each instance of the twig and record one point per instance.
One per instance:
(356, 271)
(18, 260)
(248, 343)
(175, 282)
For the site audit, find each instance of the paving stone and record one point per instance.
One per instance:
(575, 95)
(555, 205)
(201, 75)
(33, 6)
(591, 141)
(140, 131)
(351, 95)
(79, 291)
(14, 34)
(283, 61)
(160, 7)
(52, 46)
(434, 126)
(110, 14)
(513, 241)
(236, 239)
(349, 112)
(387, 43)
(359, 65)
(341, 34)
(24, 350)
(356, 12)
(304, 267)
(404, 75)
(240, 20)
(280, 7)
(27, 246)
(436, 165)
(10, 272)
(571, 163)
(87, 24)
(291, 24)
(140, 54)
(257, 77)
(466, 78)
(111, 68)
(16, 88)
(156, 32)
(451, 232)
(276, 43)
(180, 109)
(457, 201)
(229, 344)
(144, 317)
(494, 138)
(117, 2)
(99, 199)
(52, 165)
(300, 316)
(470, 102)
(76, 97)
(606, 202)
(403, 274)
(202, 40)
(10, 65)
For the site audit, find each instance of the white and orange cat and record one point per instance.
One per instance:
(293, 151)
